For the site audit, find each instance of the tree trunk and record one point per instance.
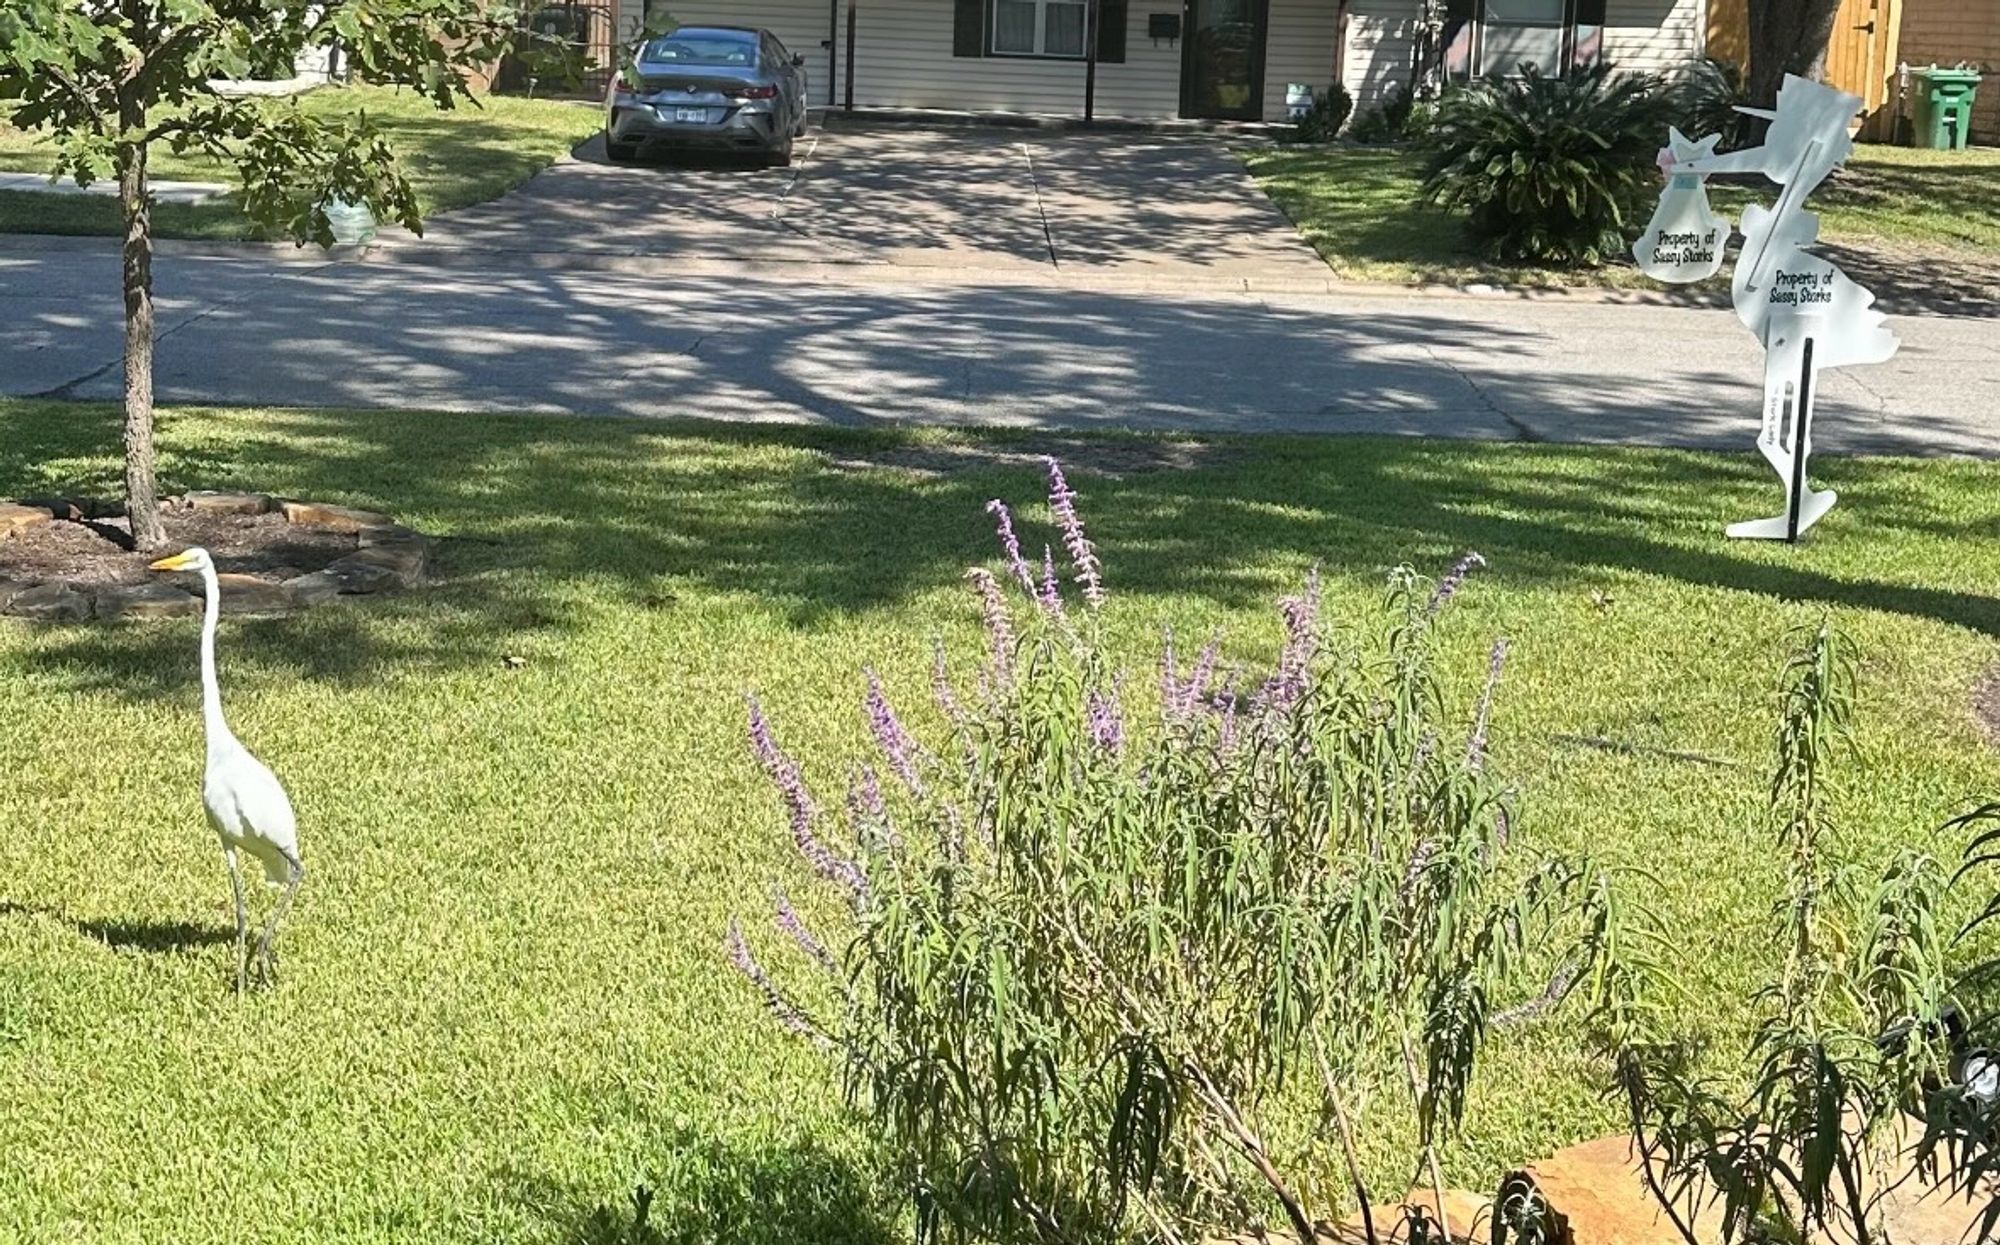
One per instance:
(141, 494)
(1786, 36)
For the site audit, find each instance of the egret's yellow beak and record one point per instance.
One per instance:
(179, 562)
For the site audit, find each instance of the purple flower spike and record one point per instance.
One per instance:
(1475, 748)
(761, 742)
(1542, 1004)
(1448, 587)
(1050, 596)
(843, 873)
(774, 999)
(1010, 544)
(947, 700)
(791, 787)
(1287, 685)
(1204, 674)
(1180, 697)
(1062, 500)
(1106, 719)
(864, 797)
(952, 839)
(788, 922)
(896, 744)
(867, 813)
(1225, 706)
(999, 628)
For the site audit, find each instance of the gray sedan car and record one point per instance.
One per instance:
(709, 87)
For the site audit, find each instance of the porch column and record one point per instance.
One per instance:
(1091, 16)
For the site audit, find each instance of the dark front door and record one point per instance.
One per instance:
(1222, 59)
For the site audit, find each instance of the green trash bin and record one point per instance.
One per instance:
(1944, 107)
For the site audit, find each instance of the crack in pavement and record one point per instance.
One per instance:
(1521, 430)
(779, 218)
(68, 389)
(791, 183)
(1041, 209)
(1881, 399)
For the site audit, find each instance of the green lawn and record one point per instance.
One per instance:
(1358, 207)
(455, 159)
(505, 1001)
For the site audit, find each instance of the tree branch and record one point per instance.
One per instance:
(92, 113)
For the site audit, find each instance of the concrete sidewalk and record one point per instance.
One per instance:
(163, 191)
(734, 346)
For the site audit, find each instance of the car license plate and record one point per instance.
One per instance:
(691, 114)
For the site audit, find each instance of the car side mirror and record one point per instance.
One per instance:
(799, 60)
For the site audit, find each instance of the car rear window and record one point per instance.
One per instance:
(698, 49)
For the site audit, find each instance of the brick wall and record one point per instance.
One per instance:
(1945, 32)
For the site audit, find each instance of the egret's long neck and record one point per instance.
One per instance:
(211, 691)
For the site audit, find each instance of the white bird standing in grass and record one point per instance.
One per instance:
(245, 803)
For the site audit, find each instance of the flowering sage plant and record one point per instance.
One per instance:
(1100, 973)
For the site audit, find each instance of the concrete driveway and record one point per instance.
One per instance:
(1172, 207)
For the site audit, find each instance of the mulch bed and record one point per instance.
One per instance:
(99, 551)
(66, 560)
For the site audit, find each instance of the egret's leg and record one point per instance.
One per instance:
(242, 920)
(265, 951)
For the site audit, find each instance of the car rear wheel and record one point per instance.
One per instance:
(780, 157)
(617, 152)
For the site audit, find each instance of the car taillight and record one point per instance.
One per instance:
(621, 86)
(753, 92)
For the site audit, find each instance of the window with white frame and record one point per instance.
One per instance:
(1038, 27)
(1523, 32)
(1556, 37)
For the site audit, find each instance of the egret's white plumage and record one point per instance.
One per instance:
(246, 804)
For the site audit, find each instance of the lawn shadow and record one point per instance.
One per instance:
(551, 522)
(710, 1191)
(145, 937)
(155, 937)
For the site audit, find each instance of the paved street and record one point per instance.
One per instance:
(727, 346)
(898, 275)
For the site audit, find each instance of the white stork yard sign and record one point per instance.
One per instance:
(1808, 314)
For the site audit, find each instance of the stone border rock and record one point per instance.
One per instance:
(388, 557)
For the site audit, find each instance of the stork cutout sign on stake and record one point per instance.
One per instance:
(1808, 314)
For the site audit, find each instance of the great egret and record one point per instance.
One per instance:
(245, 802)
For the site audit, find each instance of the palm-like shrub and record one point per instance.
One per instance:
(1083, 959)
(1706, 95)
(1549, 170)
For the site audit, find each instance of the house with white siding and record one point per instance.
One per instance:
(1156, 59)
